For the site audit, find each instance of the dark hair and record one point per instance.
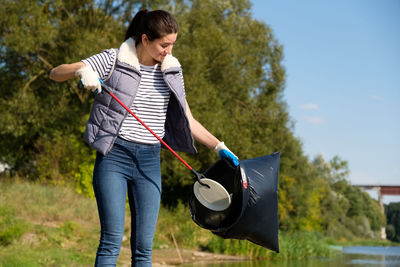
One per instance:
(155, 24)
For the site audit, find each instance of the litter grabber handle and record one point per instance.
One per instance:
(198, 175)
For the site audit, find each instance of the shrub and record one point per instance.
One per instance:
(65, 160)
(11, 228)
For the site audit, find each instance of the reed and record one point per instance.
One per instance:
(296, 245)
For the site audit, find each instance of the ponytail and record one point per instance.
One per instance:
(155, 24)
(135, 28)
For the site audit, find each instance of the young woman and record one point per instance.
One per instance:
(148, 79)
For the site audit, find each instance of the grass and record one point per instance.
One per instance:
(298, 245)
(11, 228)
(53, 226)
(47, 225)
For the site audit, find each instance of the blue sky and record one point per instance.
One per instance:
(342, 61)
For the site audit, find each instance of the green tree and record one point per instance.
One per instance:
(392, 211)
(390, 232)
(347, 211)
(35, 36)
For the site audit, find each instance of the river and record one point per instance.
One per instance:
(351, 256)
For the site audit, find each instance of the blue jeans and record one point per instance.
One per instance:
(133, 168)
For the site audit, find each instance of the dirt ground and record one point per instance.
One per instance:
(171, 257)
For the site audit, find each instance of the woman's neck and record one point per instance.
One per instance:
(144, 57)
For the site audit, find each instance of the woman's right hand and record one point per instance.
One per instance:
(89, 79)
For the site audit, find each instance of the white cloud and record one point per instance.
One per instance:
(376, 98)
(313, 120)
(309, 106)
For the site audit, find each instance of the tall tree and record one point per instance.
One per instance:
(392, 211)
(35, 36)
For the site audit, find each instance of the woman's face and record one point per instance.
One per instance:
(159, 48)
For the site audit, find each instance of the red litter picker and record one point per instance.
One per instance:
(208, 192)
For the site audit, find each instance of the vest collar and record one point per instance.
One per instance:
(127, 54)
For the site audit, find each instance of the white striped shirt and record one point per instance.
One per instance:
(102, 63)
(150, 104)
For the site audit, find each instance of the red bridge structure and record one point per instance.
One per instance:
(391, 190)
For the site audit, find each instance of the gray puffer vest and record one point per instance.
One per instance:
(107, 115)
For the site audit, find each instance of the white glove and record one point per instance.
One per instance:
(224, 152)
(89, 79)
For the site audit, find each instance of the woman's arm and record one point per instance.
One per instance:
(65, 71)
(89, 78)
(200, 133)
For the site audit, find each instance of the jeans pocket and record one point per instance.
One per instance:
(157, 150)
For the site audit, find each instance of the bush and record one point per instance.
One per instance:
(390, 232)
(65, 160)
(84, 176)
(11, 228)
(293, 245)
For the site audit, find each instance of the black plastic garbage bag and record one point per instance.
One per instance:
(253, 213)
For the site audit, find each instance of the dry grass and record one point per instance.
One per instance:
(48, 205)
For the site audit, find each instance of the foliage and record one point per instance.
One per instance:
(11, 228)
(65, 159)
(36, 36)
(293, 245)
(392, 211)
(347, 211)
(390, 232)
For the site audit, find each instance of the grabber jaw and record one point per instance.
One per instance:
(199, 176)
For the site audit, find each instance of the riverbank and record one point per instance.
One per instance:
(45, 225)
(170, 257)
(362, 242)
